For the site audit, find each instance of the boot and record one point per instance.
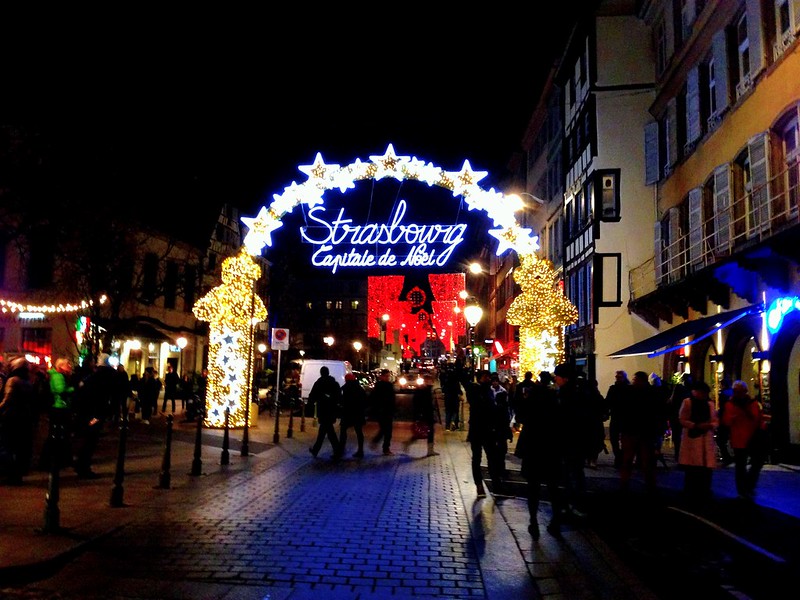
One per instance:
(430, 450)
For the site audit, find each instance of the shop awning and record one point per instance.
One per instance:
(697, 329)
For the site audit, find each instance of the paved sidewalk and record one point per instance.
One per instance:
(402, 526)
(415, 520)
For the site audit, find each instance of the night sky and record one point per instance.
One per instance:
(189, 110)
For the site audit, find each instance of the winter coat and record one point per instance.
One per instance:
(698, 451)
(354, 403)
(327, 393)
(743, 420)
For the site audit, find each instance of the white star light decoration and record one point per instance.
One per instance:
(322, 177)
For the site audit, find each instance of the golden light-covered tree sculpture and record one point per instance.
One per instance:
(541, 311)
(230, 309)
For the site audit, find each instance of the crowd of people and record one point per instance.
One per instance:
(560, 419)
(54, 418)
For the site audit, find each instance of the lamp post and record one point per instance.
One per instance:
(357, 345)
(473, 314)
(328, 339)
(182, 341)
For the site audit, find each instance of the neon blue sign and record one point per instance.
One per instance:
(778, 309)
(424, 245)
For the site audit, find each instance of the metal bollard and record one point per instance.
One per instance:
(52, 514)
(225, 459)
(277, 435)
(119, 473)
(245, 451)
(303, 415)
(197, 461)
(290, 430)
(164, 477)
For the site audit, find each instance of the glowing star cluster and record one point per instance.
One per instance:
(541, 311)
(230, 309)
(323, 177)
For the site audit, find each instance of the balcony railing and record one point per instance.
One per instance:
(750, 219)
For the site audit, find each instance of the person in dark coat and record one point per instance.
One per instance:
(482, 434)
(149, 388)
(382, 399)
(451, 387)
(17, 413)
(354, 410)
(614, 398)
(422, 406)
(171, 382)
(327, 394)
(641, 422)
(576, 435)
(539, 447)
(94, 403)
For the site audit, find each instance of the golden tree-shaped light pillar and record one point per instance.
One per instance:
(541, 311)
(230, 309)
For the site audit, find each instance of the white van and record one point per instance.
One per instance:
(309, 373)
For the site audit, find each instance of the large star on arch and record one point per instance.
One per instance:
(506, 238)
(465, 179)
(260, 229)
(318, 172)
(389, 165)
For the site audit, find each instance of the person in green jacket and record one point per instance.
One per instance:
(58, 446)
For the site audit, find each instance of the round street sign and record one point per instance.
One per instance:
(280, 339)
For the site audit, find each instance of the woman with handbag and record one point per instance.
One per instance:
(698, 455)
(748, 437)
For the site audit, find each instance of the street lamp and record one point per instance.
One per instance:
(358, 346)
(328, 339)
(182, 342)
(473, 314)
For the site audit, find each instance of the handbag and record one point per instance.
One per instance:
(420, 430)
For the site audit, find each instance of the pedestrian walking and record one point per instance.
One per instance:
(597, 416)
(382, 399)
(327, 394)
(149, 389)
(744, 418)
(640, 416)
(122, 394)
(451, 387)
(482, 433)
(538, 447)
(354, 410)
(698, 453)
(576, 436)
(614, 398)
(17, 410)
(424, 411)
(94, 402)
(723, 431)
(681, 391)
(61, 380)
(502, 414)
(171, 382)
(521, 398)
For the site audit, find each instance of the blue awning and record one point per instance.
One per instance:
(697, 329)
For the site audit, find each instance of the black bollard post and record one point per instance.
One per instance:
(52, 514)
(290, 430)
(302, 415)
(246, 434)
(226, 459)
(119, 474)
(277, 435)
(197, 461)
(164, 477)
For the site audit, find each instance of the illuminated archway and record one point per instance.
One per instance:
(322, 177)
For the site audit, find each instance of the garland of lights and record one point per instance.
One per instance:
(9, 306)
(230, 308)
(541, 311)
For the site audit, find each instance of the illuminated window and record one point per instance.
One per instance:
(38, 340)
(354, 304)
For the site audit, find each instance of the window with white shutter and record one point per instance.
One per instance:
(696, 227)
(721, 70)
(759, 190)
(693, 124)
(722, 204)
(651, 170)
